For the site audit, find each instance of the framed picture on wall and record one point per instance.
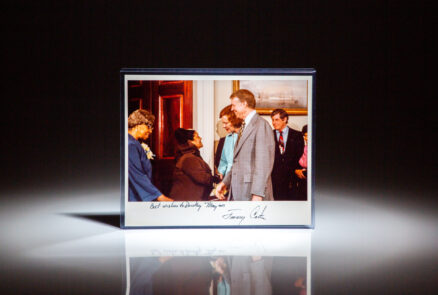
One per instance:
(290, 95)
(179, 170)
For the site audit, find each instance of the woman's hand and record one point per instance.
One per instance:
(163, 198)
(221, 190)
(299, 173)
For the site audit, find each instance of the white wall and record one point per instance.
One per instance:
(203, 117)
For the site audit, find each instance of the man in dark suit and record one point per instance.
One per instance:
(289, 146)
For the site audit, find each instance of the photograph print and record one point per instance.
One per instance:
(217, 147)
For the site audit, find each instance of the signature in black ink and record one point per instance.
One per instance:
(232, 215)
(257, 212)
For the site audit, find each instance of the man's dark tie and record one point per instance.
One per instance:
(281, 142)
(240, 133)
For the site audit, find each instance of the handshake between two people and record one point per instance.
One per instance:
(221, 190)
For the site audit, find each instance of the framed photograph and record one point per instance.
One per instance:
(290, 95)
(217, 148)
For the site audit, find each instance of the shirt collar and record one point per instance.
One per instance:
(285, 129)
(249, 117)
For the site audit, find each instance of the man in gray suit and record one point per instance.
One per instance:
(250, 177)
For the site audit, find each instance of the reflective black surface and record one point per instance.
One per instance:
(51, 245)
(217, 275)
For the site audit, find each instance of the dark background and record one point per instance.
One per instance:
(374, 115)
(374, 111)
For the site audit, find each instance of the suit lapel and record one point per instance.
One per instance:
(291, 137)
(277, 149)
(246, 132)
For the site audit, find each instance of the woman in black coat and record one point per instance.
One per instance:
(192, 177)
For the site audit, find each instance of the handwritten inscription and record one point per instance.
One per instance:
(214, 206)
(234, 215)
(195, 205)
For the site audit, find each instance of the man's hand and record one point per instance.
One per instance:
(299, 173)
(256, 198)
(163, 198)
(220, 191)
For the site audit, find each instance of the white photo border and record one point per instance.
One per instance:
(202, 214)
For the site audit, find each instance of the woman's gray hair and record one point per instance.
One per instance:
(139, 117)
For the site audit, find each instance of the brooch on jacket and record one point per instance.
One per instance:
(148, 151)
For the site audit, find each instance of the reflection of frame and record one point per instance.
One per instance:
(290, 95)
(166, 263)
(192, 99)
